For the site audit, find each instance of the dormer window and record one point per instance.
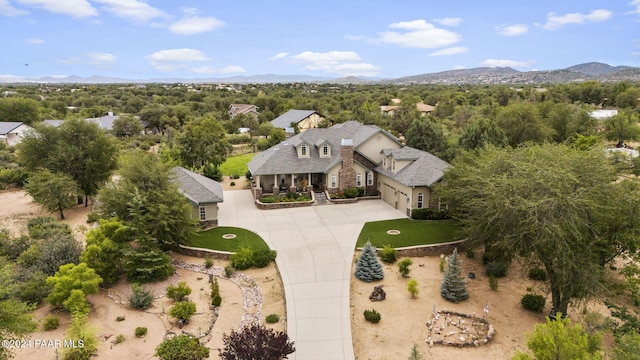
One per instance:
(303, 150)
(393, 165)
(325, 150)
(384, 162)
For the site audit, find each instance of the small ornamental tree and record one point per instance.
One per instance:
(412, 286)
(182, 347)
(70, 277)
(368, 268)
(403, 267)
(256, 342)
(183, 310)
(453, 286)
(178, 292)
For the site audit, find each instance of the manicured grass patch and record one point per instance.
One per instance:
(212, 239)
(236, 165)
(412, 232)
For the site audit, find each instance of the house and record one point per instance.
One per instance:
(247, 109)
(350, 155)
(105, 122)
(11, 132)
(425, 109)
(303, 119)
(388, 110)
(603, 114)
(203, 193)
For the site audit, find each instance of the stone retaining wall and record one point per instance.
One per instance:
(205, 253)
(285, 205)
(429, 250)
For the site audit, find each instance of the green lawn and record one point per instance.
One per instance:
(212, 239)
(236, 165)
(412, 232)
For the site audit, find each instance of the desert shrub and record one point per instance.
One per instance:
(412, 286)
(263, 257)
(242, 259)
(208, 263)
(372, 316)
(388, 254)
(140, 331)
(537, 274)
(178, 292)
(430, 214)
(493, 282)
(497, 269)
(228, 271)
(533, 302)
(92, 217)
(272, 318)
(470, 253)
(140, 298)
(403, 266)
(120, 318)
(51, 322)
(233, 183)
(183, 310)
(118, 339)
(235, 176)
(216, 300)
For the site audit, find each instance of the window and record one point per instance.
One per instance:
(420, 200)
(358, 180)
(442, 205)
(370, 179)
(203, 213)
(393, 165)
(303, 150)
(384, 161)
(334, 181)
(325, 150)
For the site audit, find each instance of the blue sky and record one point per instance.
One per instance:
(191, 39)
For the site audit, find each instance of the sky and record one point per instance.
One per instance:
(194, 39)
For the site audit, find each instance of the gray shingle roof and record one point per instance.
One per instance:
(425, 169)
(283, 158)
(292, 116)
(197, 188)
(54, 123)
(8, 126)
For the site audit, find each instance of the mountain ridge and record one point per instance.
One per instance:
(480, 75)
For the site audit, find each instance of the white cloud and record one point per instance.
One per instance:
(7, 10)
(175, 59)
(135, 10)
(507, 63)
(195, 25)
(74, 8)
(231, 69)
(355, 37)
(636, 4)
(344, 63)
(418, 34)
(101, 58)
(278, 56)
(450, 51)
(449, 21)
(512, 30)
(555, 22)
(34, 41)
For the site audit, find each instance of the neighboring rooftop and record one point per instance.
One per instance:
(425, 169)
(603, 114)
(8, 126)
(197, 188)
(292, 116)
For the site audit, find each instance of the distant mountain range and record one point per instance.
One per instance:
(483, 75)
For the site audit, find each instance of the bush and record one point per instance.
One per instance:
(179, 292)
(233, 183)
(430, 214)
(208, 263)
(388, 254)
(495, 253)
(216, 300)
(272, 319)
(51, 322)
(533, 302)
(118, 339)
(228, 271)
(183, 310)
(263, 144)
(372, 316)
(403, 267)
(351, 192)
(145, 265)
(263, 257)
(537, 274)
(242, 259)
(120, 318)
(497, 269)
(248, 175)
(470, 253)
(140, 298)
(92, 217)
(140, 331)
(212, 172)
(493, 282)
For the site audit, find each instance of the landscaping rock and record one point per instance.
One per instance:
(378, 294)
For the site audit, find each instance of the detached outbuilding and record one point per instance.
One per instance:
(11, 132)
(203, 193)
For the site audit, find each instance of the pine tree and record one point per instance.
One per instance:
(453, 286)
(368, 268)
(415, 354)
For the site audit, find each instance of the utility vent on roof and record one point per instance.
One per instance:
(346, 142)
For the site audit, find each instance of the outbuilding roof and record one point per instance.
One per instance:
(292, 116)
(425, 168)
(7, 127)
(197, 188)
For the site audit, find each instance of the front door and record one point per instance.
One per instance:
(316, 181)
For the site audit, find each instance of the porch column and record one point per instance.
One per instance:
(292, 186)
(276, 189)
(309, 185)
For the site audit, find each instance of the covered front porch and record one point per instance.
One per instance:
(281, 183)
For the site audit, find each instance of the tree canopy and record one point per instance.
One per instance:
(546, 203)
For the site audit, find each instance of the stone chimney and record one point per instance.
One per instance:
(347, 174)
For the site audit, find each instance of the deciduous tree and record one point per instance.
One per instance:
(56, 192)
(256, 342)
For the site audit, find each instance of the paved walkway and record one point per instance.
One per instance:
(315, 248)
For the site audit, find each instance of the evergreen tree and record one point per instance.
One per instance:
(368, 268)
(453, 286)
(415, 354)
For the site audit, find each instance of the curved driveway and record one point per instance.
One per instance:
(315, 248)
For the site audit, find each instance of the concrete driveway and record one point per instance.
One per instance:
(315, 248)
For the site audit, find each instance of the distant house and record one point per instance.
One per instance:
(425, 109)
(11, 133)
(203, 193)
(388, 110)
(303, 119)
(105, 122)
(54, 123)
(603, 114)
(350, 155)
(247, 109)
